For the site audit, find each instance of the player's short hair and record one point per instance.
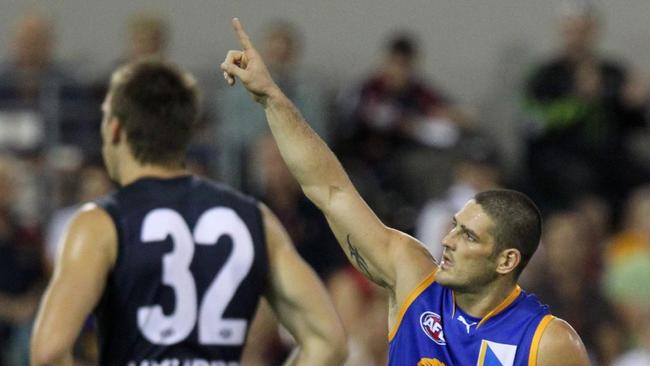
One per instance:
(518, 222)
(157, 104)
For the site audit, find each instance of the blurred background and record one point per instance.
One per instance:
(425, 102)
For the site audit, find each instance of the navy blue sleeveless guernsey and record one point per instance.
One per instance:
(432, 331)
(190, 269)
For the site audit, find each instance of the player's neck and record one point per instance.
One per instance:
(135, 171)
(478, 304)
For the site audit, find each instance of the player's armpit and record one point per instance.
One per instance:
(561, 345)
(88, 252)
(300, 301)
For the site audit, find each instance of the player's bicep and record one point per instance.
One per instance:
(376, 250)
(84, 261)
(361, 234)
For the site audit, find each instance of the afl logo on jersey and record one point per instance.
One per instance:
(431, 324)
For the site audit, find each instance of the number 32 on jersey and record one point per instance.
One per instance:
(213, 329)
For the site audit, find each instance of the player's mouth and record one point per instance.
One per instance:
(446, 263)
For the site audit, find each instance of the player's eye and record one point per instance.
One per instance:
(469, 236)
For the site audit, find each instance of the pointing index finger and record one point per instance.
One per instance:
(244, 40)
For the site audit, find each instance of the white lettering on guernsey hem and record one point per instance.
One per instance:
(183, 362)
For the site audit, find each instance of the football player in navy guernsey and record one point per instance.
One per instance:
(467, 310)
(173, 265)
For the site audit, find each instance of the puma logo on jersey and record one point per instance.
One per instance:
(467, 325)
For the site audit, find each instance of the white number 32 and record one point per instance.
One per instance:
(213, 329)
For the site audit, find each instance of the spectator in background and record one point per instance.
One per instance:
(626, 284)
(396, 127)
(41, 105)
(362, 307)
(634, 236)
(597, 217)
(562, 277)
(581, 107)
(148, 36)
(307, 227)
(43, 110)
(21, 273)
(241, 124)
(477, 170)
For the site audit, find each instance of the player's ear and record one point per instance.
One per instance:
(508, 260)
(115, 130)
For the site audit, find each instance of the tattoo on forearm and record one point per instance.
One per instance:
(361, 263)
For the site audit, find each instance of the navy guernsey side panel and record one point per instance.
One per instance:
(432, 331)
(191, 267)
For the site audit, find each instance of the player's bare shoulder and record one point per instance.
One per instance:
(92, 225)
(561, 345)
(92, 211)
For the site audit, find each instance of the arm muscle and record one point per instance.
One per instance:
(87, 255)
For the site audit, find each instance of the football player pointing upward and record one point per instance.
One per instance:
(466, 311)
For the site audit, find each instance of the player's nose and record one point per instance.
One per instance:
(448, 241)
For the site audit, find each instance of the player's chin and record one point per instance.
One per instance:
(444, 278)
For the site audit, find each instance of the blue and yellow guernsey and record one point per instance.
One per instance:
(432, 331)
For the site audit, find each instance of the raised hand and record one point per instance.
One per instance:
(247, 65)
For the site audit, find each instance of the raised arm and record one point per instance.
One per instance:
(88, 253)
(301, 302)
(383, 255)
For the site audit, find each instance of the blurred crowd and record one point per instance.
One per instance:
(412, 149)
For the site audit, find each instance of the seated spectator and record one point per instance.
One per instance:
(581, 107)
(396, 106)
(395, 129)
(41, 105)
(240, 125)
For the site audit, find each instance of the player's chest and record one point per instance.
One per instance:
(453, 338)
